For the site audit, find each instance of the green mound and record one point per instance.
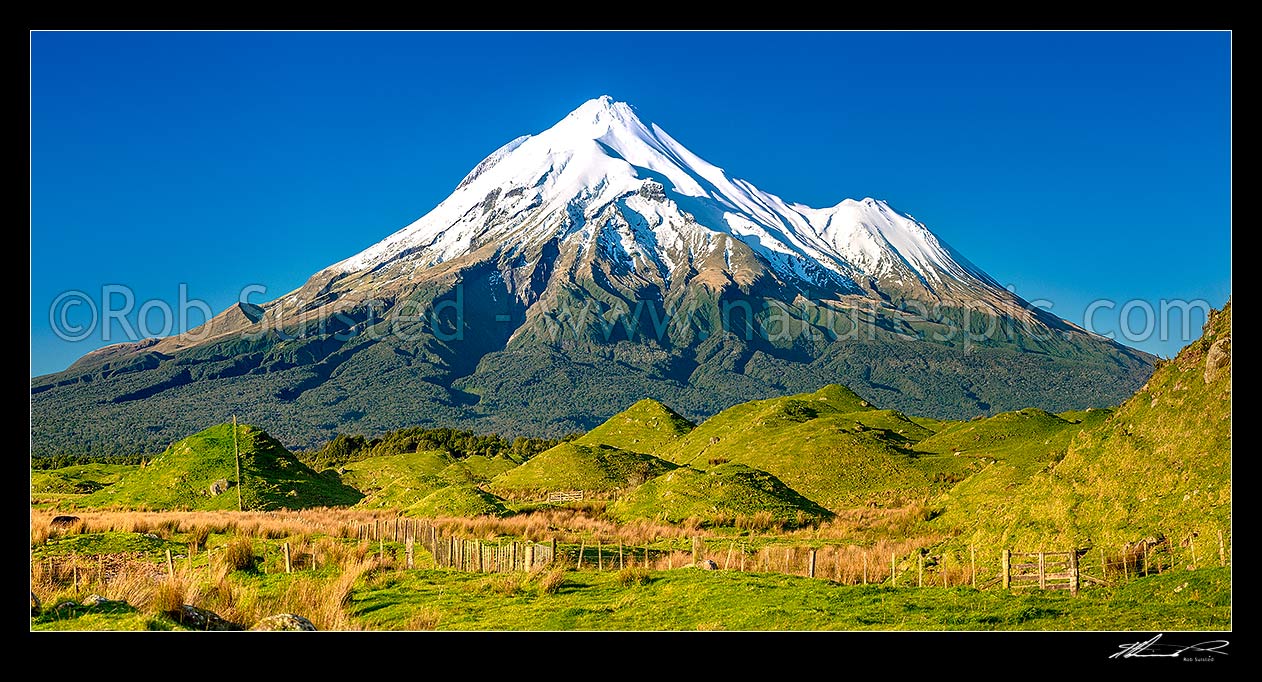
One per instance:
(1160, 465)
(486, 468)
(459, 500)
(395, 481)
(571, 466)
(646, 426)
(830, 446)
(719, 493)
(1009, 432)
(182, 477)
(79, 479)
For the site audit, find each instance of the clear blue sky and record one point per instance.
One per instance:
(1073, 166)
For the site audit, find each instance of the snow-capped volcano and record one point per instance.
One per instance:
(574, 272)
(603, 175)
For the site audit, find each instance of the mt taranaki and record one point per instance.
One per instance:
(574, 272)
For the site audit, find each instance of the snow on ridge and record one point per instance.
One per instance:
(602, 152)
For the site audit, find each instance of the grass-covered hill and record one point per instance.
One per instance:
(572, 466)
(1160, 465)
(397, 480)
(183, 475)
(723, 492)
(459, 500)
(647, 426)
(830, 446)
(79, 478)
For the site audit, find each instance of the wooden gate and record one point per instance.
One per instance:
(1044, 570)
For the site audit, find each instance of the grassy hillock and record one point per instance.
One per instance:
(181, 477)
(571, 466)
(1160, 465)
(647, 426)
(830, 446)
(397, 480)
(459, 500)
(721, 493)
(79, 478)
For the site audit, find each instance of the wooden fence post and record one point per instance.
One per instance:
(1007, 568)
(893, 571)
(972, 563)
(1222, 549)
(620, 566)
(730, 548)
(170, 566)
(1145, 558)
(409, 551)
(696, 550)
(582, 544)
(1073, 572)
(1042, 573)
(865, 567)
(742, 558)
(920, 568)
(288, 566)
(1192, 542)
(553, 557)
(1126, 561)
(600, 559)
(529, 557)
(1104, 565)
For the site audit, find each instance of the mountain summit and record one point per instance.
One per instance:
(634, 196)
(576, 271)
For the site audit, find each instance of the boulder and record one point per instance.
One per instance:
(707, 565)
(1217, 359)
(201, 619)
(97, 600)
(219, 487)
(63, 521)
(284, 622)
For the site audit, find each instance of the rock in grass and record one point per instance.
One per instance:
(35, 606)
(1217, 359)
(97, 600)
(286, 622)
(707, 565)
(201, 619)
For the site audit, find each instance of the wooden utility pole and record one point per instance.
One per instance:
(236, 452)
